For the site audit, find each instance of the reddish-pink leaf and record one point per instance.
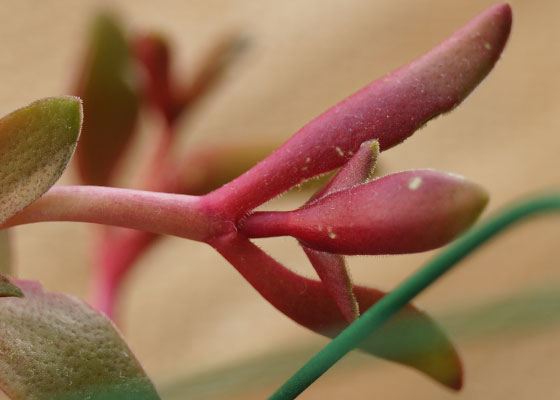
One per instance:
(410, 338)
(358, 169)
(406, 212)
(389, 109)
(334, 274)
(332, 268)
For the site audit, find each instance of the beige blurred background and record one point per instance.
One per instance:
(185, 310)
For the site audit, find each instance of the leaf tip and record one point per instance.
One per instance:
(373, 157)
(8, 289)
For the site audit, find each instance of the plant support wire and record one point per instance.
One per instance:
(389, 305)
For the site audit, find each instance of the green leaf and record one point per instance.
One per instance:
(108, 90)
(5, 253)
(8, 289)
(36, 143)
(56, 347)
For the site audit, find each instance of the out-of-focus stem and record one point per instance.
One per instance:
(198, 173)
(160, 161)
(117, 251)
(119, 248)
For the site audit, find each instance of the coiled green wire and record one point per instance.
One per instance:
(377, 315)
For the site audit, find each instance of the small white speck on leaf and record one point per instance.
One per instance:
(414, 183)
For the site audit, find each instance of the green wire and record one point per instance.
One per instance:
(390, 304)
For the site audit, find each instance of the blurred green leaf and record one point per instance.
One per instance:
(55, 347)
(36, 143)
(520, 313)
(8, 289)
(5, 253)
(109, 91)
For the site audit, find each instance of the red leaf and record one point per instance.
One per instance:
(332, 268)
(358, 170)
(406, 212)
(334, 274)
(389, 110)
(410, 338)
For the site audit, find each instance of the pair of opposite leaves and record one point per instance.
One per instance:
(37, 142)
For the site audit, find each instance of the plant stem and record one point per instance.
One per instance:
(163, 213)
(118, 250)
(377, 315)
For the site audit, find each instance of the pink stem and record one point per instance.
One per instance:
(121, 247)
(117, 252)
(163, 213)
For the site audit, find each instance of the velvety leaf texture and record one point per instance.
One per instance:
(8, 289)
(55, 347)
(36, 143)
(405, 212)
(332, 268)
(110, 101)
(5, 252)
(333, 271)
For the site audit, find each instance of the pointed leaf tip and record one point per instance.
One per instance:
(413, 338)
(36, 144)
(8, 289)
(334, 274)
(358, 169)
(332, 268)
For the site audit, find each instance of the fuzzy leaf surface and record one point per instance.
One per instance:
(8, 289)
(405, 212)
(36, 143)
(332, 268)
(55, 347)
(5, 252)
(390, 109)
